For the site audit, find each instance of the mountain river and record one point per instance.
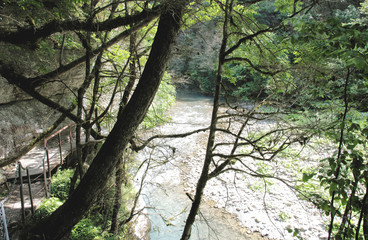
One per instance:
(229, 211)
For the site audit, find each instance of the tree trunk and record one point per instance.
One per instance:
(364, 212)
(201, 184)
(72, 211)
(117, 199)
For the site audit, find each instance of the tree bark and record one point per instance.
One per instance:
(114, 229)
(364, 212)
(72, 211)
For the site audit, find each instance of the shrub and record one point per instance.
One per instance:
(46, 208)
(61, 184)
(85, 230)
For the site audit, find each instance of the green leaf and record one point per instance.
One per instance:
(333, 187)
(307, 176)
(296, 232)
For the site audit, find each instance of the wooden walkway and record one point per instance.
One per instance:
(34, 160)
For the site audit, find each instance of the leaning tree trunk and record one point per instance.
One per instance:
(364, 212)
(203, 179)
(72, 211)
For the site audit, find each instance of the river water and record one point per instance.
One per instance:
(165, 191)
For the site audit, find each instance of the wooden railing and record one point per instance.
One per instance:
(57, 133)
(20, 168)
(4, 234)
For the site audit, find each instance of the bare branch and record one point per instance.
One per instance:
(250, 37)
(40, 79)
(255, 67)
(180, 135)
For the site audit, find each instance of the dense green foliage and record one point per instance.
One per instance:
(46, 208)
(59, 193)
(85, 230)
(330, 56)
(60, 186)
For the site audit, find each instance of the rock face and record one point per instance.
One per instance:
(23, 118)
(55, 88)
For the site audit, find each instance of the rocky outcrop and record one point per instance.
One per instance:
(23, 118)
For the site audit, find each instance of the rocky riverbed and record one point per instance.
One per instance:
(242, 206)
(267, 206)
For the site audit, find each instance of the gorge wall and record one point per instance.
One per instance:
(23, 118)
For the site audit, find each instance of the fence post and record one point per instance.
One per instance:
(21, 192)
(30, 190)
(44, 173)
(70, 139)
(5, 225)
(48, 162)
(60, 149)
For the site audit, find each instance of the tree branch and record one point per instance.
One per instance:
(255, 67)
(180, 135)
(31, 35)
(249, 37)
(36, 81)
(22, 82)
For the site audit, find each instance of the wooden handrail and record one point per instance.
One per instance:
(57, 133)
